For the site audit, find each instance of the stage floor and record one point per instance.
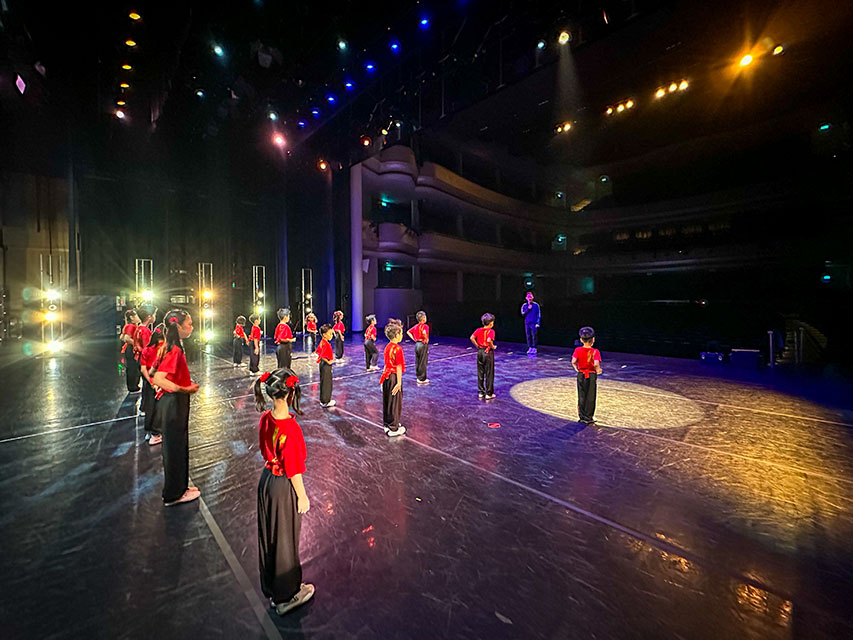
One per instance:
(701, 506)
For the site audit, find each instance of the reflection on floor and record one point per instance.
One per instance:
(699, 507)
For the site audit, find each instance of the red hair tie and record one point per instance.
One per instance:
(291, 382)
(173, 319)
(265, 376)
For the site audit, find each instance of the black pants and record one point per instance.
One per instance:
(392, 405)
(531, 332)
(325, 382)
(237, 350)
(486, 372)
(147, 405)
(339, 347)
(284, 355)
(371, 354)
(586, 396)
(279, 524)
(173, 415)
(131, 369)
(421, 357)
(254, 358)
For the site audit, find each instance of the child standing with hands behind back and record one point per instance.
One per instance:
(392, 380)
(484, 339)
(587, 362)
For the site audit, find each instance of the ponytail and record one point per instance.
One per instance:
(173, 338)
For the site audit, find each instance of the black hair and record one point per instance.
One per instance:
(338, 315)
(393, 328)
(487, 318)
(241, 320)
(586, 334)
(173, 338)
(371, 318)
(420, 315)
(254, 317)
(324, 329)
(157, 335)
(128, 315)
(276, 387)
(144, 313)
(283, 313)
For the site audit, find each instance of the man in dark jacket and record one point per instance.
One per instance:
(532, 318)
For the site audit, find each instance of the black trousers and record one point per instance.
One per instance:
(173, 415)
(147, 405)
(392, 405)
(371, 354)
(421, 357)
(586, 396)
(284, 354)
(325, 382)
(339, 347)
(254, 358)
(531, 332)
(485, 372)
(279, 524)
(131, 369)
(237, 350)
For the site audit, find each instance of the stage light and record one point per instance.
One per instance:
(540, 45)
(559, 128)
(278, 140)
(126, 67)
(301, 124)
(778, 49)
(322, 165)
(51, 294)
(825, 126)
(120, 103)
(365, 141)
(683, 85)
(148, 295)
(424, 23)
(259, 309)
(629, 104)
(331, 99)
(308, 310)
(134, 16)
(130, 43)
(260, 294)
(673, 86)
(208, 335)
(124, 85)
(207, 294)
(315, 112)
(660, 93)
(564, 38)
(567, 126)
(120, 114)
(395, 46)
(307, 296)
(272, 115)
(208, 313)
(559, 195)
(609, 111)
(51, 316)
(620, 108)
(349, 85)
(369, 67)
(219, 51)
(342, 45)
(746, 60)
(388, 266)
(398, 124)
(54, 345)
(826, 277)
(20, 84)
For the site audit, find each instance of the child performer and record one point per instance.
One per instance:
(371, 353)
(532, 318)
(254, 343)
(141, 338)
(420, 334)
(240, 340)
(587, 362)
(339, 330)
(281, 493)
(325, 358)
(484, 339)
(147, 360)
(173, 408)
(284, 339)
(311, 329)
(392, 380)
(131, 367)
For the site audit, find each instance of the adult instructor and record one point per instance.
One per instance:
(532, 318)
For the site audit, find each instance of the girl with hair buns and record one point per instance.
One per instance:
(172, 411)
(281, 493)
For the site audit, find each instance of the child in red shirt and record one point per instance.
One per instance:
(284, 339)
(240, 340)
(281, 492)
(392, 380)
(131, 366)
(311, 329)
(325, 358)
(420, 334)
(255, 344)
(484, 339)
(339, 330)
(587, 362)
(371, 353)
(147, 361)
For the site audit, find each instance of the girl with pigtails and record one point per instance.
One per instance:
(281, 493)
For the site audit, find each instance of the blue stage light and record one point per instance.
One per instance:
(826, 277)
(331, 99)
(342, 45)
(540, 45)
(369, 67)
(395, 46)
(315, 112)
(424, 23)
(301, 124)
(349, 85)
(218, 50)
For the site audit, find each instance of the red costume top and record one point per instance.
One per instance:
(393, 357)
(481, 336)
(311, 326)
(586, 358)
(370, 332)
(174, 365)
(255, 333)
(339, 327)
(283, 332)
(324, 351)
(141, 339)
(282, 445)
(127, 330)
(240, 332)
(420, 332)
(148, 357)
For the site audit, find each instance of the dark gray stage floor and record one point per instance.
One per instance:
(699, 507)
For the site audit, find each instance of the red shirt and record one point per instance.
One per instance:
(339, 327)
(282, 332)
(148, 357)
(393, 357)
(141, 339)
(421, 332)
(255, 333)
(481, 337)
(282, 445)
(174, 365)
(324, 351)
(127, 330)
(586, 359)
(310, 325)
(370, 332)
(239, 332)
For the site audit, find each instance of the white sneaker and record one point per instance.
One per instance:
(393, 433)
(423, 381)
(330, 403)
(189, 496)
(305, 593)
(491, 396)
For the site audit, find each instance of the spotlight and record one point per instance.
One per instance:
(124, 85)
(424, 23)
(559, 128)
(395, 46)
(130, 43)
(746, 60)
(365, 141)
(660, 93)
(673, 86)
(126, 67)
(369, 67)
(609, 111)
(349, 85)
(301, 124)
(331, 99)
(260, 294)
(629, 104)
(559, 195)
(208, 313)
(54, 345)
(51, 294)
(342, 45)
(778, 49)
(50, 316)
(567, 126)
(272, 115)
(207, 294)
(259, 309)
(120, 114)
(398, 124)
(620, 108)
(564, 37)
(825, 126)
(315, 112)
(322, 165)
(540, 45)
(148, 295)
(120, 103)
(134, 16)
(199, 93)
(278, 140)
(683, 85)
(383, 131)
(208, 335)
(308, 310)
(308, 297)
(219, 51)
